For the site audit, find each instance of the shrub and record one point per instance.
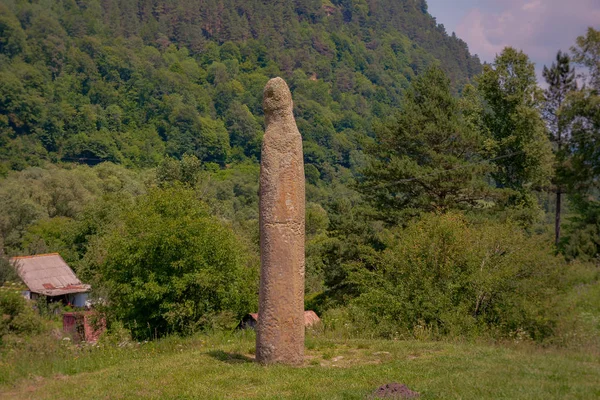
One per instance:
(445, 276)
(170, 267)
(8, 273)
(16, 316)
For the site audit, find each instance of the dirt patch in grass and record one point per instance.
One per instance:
(394, 391)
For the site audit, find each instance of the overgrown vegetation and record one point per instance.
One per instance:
(172, 268)
(18, 318)
(130, 138)
(461, 279)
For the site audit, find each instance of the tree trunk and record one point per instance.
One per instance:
(558, 193)
(557, 218)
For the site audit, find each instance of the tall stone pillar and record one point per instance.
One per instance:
(280, 329)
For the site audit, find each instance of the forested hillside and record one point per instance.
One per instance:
(132, 81)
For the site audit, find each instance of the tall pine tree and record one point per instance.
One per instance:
(560, 78)
(428, 159)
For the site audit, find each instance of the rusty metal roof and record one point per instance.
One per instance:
(48, 274)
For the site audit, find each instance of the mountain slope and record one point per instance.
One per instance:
(130, 82)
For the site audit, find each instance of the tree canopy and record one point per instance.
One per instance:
(430, 157)
(130, 83)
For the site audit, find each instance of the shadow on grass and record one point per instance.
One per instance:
(230, 358)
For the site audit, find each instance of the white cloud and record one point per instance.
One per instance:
(532, 5)
(538, 27)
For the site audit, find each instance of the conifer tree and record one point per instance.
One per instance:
(560, 78)
(428, 158)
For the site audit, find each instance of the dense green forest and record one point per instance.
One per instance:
(130, 137)
(131, 82)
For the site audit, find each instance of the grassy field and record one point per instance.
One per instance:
(222, 366)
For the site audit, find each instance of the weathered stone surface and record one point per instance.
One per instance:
(280, 329)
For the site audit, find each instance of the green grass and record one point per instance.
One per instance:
(221, 366)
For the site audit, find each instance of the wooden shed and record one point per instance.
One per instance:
(49, 275)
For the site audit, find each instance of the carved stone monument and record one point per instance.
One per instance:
(280, 328)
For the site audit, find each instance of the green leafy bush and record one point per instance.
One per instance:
(16, 316)
(7, 271)
(170, 267)
(445, 276)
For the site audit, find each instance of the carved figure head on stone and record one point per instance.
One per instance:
(277, 96)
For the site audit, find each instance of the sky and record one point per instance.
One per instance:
(538, 27)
